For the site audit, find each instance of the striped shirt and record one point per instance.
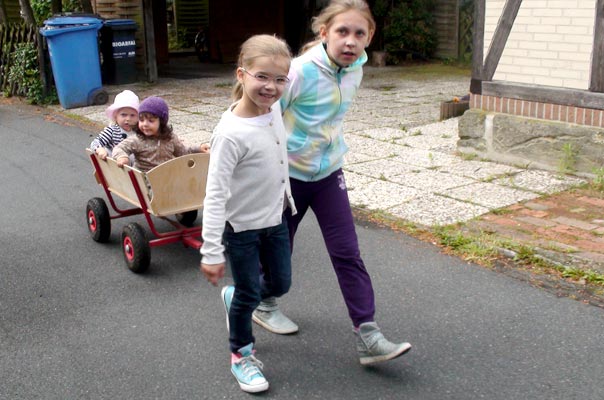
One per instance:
(109, 138)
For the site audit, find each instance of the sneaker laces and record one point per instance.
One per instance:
(250, 366)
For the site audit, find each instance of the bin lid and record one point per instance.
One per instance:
(119, 22)
(70, 21)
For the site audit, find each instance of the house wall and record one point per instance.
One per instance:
(446, 21)
(550, 43)
(233, 21)
(538, 110)
(13, 10)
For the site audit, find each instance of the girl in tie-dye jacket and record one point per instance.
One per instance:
(319, 95)
(323, 83)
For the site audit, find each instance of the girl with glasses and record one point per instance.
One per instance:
(246, 192)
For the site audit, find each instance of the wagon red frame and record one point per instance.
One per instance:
(172, 191)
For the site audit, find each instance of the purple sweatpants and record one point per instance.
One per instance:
(328, 198)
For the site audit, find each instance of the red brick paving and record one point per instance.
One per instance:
(570, 223)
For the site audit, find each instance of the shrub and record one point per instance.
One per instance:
(409, 30)
(24, 75)
(41, 8)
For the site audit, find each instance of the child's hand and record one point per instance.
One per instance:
(213, 272)
(102, 153)
(205, 148)
(122, 161)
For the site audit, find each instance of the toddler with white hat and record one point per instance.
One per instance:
(123, 114)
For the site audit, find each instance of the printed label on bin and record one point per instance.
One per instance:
(124, 49)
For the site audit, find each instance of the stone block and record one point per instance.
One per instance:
(471, 124)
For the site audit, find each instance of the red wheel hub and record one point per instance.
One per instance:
(91, 221)
(128, 249)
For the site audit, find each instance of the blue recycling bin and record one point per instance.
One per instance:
(74, 57)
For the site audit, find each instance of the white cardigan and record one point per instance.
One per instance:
(248, 178)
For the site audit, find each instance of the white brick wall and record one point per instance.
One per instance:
(550, 42)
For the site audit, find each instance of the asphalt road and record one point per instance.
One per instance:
(76, 324)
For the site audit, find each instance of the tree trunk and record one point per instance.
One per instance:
(56, 7)
(27, 12)
(87, 6)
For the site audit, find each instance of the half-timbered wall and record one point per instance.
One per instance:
(550, 43)
(537, 89)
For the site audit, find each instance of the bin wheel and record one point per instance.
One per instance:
(187, 218)
(201, 46)
(137, 252)
(98, 220)
(100, 97)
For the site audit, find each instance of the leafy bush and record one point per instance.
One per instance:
(24, 74)
(41, 8)
(409, 29)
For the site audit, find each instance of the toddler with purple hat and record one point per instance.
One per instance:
(154, 142)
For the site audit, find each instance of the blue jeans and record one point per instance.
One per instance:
(268, 247)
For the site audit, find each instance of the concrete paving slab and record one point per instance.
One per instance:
(375, 194)
(482, 170)
(357, 157)
(425, 158)
(383, 169)
(371, 147)
(489, 195)
(540, 181)
(431, 210)
(431, 181)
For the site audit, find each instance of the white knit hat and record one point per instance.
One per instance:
(124, 99)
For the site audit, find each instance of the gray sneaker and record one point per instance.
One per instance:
(373, 347)
(268, 316)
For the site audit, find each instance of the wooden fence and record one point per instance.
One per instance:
(11, 35)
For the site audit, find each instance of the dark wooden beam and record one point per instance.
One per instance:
(596, 83)
(544, 94)
(151, 56)
(477, 47)
(502, 32)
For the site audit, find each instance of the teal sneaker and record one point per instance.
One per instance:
(226, 294)
(247, 369)
(373, 347)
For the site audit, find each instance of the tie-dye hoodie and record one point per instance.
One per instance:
(314, 104)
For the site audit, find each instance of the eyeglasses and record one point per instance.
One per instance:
(263, 78)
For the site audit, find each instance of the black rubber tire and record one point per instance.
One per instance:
(98, 220)
(187, 218)
(100, 97)
(136, 249)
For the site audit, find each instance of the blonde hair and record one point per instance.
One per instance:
(255, 47)
(337, 7)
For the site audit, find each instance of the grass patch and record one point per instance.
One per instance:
(422, 71)
(485, 248)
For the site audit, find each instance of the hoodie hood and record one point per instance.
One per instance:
(319, 56)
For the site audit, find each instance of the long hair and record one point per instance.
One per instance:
(255, 47)
(337, 7)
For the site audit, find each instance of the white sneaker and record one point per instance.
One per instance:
(373, 347)
(268, 316)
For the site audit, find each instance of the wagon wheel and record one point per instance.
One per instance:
(98, 219)
(187, 218)
(135, 245)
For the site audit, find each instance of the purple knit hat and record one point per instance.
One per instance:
(155, 105)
